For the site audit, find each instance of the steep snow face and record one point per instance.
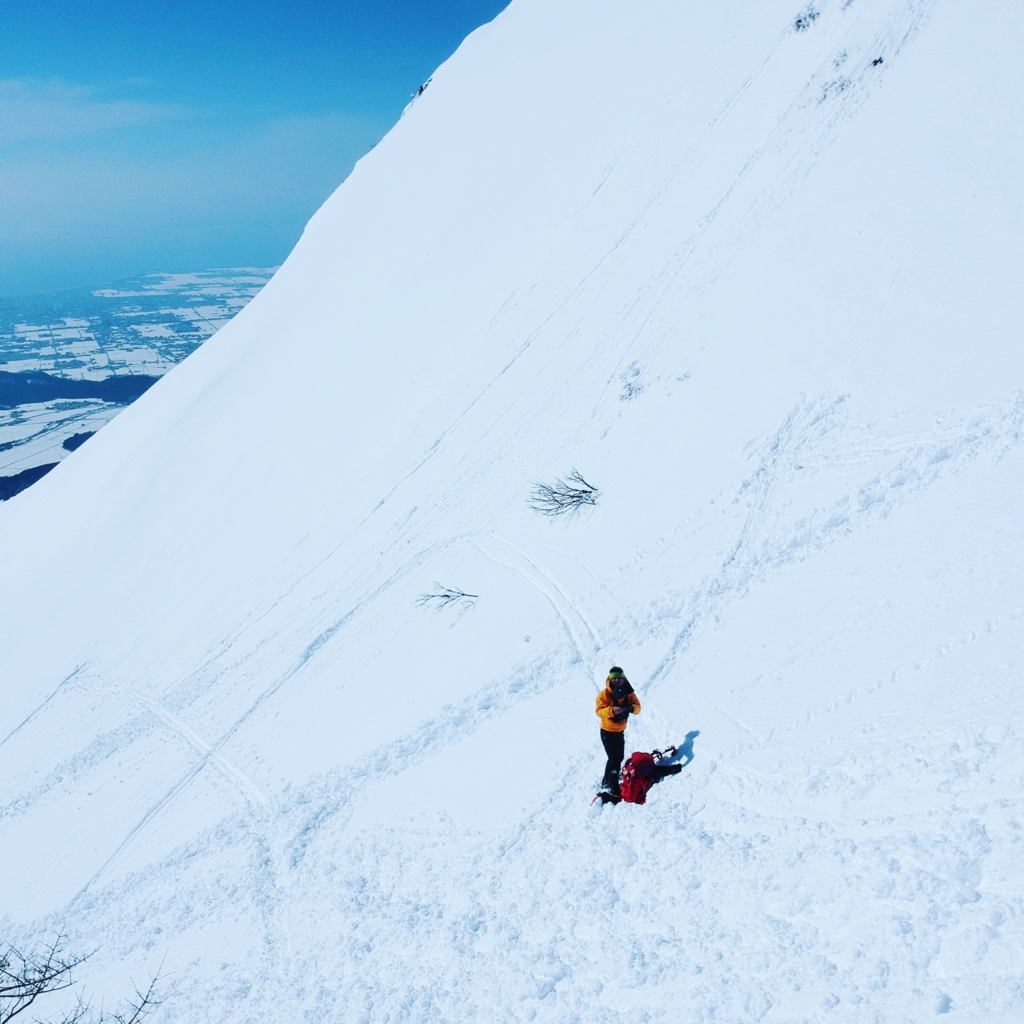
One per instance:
(754, 272)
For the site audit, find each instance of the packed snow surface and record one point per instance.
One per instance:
(754, 271)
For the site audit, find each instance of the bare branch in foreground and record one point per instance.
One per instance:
(144, 1003)
(26, 977)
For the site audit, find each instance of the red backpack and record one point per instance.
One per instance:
(635, 778)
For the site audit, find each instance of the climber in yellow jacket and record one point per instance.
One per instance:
(615, 703)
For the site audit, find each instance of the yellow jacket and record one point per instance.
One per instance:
(605, 703)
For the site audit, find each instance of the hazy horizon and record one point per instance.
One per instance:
(181, 137)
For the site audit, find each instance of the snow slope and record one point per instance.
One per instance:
(754, 271)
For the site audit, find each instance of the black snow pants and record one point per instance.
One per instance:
(615, 747)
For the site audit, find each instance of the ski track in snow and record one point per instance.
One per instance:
(231, 772)
(210, 753)
(453, 916)
(990, 433)
(925, 459)
(37, 710)
(816, 120)
(584, 640)
(569, 609)
(283, 836)
(732, 895)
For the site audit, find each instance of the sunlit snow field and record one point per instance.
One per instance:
(753, 269)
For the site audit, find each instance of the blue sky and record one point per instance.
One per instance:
(179, 136)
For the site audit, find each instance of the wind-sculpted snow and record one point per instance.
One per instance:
(752, 274)
(811, 439)
(596, 917)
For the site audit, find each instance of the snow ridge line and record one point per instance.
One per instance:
(817, 134)
(231, 772)
(209, 752)
(573, 609)
(39, 708)
(586, 652)
(333, 792)
(354, 596)
(991, 432)
(735, 572)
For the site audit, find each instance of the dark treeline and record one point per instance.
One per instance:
(12, 485)
(36, 386)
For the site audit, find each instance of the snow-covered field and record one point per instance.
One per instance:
(754, 272)
(144, 325)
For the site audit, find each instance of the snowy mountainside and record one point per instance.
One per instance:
(752, 270)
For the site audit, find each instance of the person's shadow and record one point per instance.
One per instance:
(684, 752)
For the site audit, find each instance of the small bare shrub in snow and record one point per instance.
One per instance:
(26, 977)
(564, 497)
(806, 18)
(442, 596)
(632, 384)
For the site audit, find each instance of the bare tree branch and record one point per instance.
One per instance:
(564, 497)
(442, 596)
(26, 977)
(137, 1010)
